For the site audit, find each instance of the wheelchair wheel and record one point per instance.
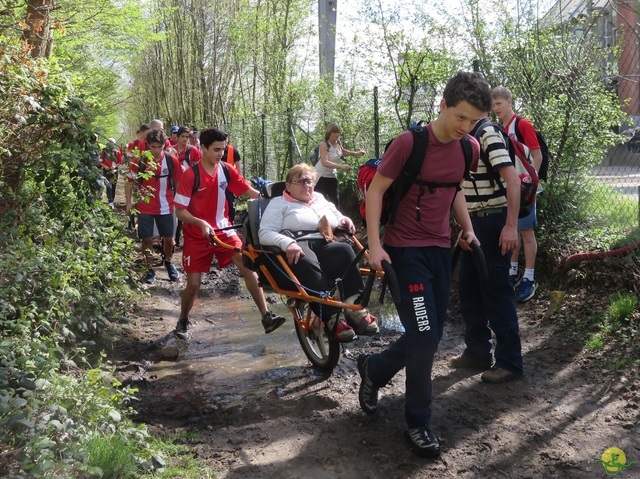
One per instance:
(322, 351)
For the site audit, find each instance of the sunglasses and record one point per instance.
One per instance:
(303, 181)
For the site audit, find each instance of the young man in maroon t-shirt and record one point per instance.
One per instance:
(205, 212)
(418, 245)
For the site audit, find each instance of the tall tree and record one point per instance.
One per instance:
(37, 28)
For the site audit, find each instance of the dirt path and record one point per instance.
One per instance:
(255, 409)
(289, 421)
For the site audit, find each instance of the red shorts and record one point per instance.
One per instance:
(197, 254)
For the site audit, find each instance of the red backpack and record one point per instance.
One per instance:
(408, 177)
(366, 173)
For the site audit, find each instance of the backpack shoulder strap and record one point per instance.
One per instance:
(411, 168)
(225, 169)
(468, 154)
(169, 159)
(196, 177)
(516, 127)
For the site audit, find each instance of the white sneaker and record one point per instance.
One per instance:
(112, 206)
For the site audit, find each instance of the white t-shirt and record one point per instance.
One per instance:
(335, 155)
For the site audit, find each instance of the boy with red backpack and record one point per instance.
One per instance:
(524, 131)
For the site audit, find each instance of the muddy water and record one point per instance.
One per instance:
(228, 358)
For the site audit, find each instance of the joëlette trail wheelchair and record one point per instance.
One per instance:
(316, 337)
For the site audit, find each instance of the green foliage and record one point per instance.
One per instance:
(623, 305)
(111, 455)
(93, 41)
(182, 462)
(64, 278)
(595, 342)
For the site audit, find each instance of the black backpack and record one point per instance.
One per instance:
(521, 158)
(409, 175)
(196, 175)
(544, 150)
(142, 166)
(187, 154)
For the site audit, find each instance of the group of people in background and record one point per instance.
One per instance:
(195, 177)
(185, 185)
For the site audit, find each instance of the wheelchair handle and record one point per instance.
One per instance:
(479, 260)
(392, 281)
(366, 294)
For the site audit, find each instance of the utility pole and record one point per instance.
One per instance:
(327, 15)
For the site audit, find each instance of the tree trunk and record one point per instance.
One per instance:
(37, 34)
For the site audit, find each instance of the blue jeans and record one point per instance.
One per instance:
(424, 277)
(488, 304)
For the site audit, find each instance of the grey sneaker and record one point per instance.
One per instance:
(271, 322)
(172, 271)
(368, 393)
(424, 442)
(182, 328)
(150, 277)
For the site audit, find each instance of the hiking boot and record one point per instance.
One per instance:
(499, 375)
(368, 393)
(424, 442)
(182, 328)
(172, 271)
(271, 322)
(527, 290)
(344, 333)
(467, 362)
(150, 277)
(515, 280)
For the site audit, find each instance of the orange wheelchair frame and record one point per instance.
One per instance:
(315, 337)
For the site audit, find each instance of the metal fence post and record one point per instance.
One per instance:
(290, 136)
(264, 146)
(376, 122)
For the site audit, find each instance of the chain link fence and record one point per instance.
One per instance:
(271, 144)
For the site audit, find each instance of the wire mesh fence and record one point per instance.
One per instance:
(607, 177)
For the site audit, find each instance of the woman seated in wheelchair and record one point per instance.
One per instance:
(315, 259)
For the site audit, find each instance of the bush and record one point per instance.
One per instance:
(64, 277)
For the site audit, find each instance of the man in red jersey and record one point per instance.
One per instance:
(155, 174)
(139, 143)
(173, 139)
(187, 155)
(205, 211)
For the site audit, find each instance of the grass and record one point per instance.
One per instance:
(595, 341)
(182, 463)
(612, 208)
(623, 305)
(112, 455)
